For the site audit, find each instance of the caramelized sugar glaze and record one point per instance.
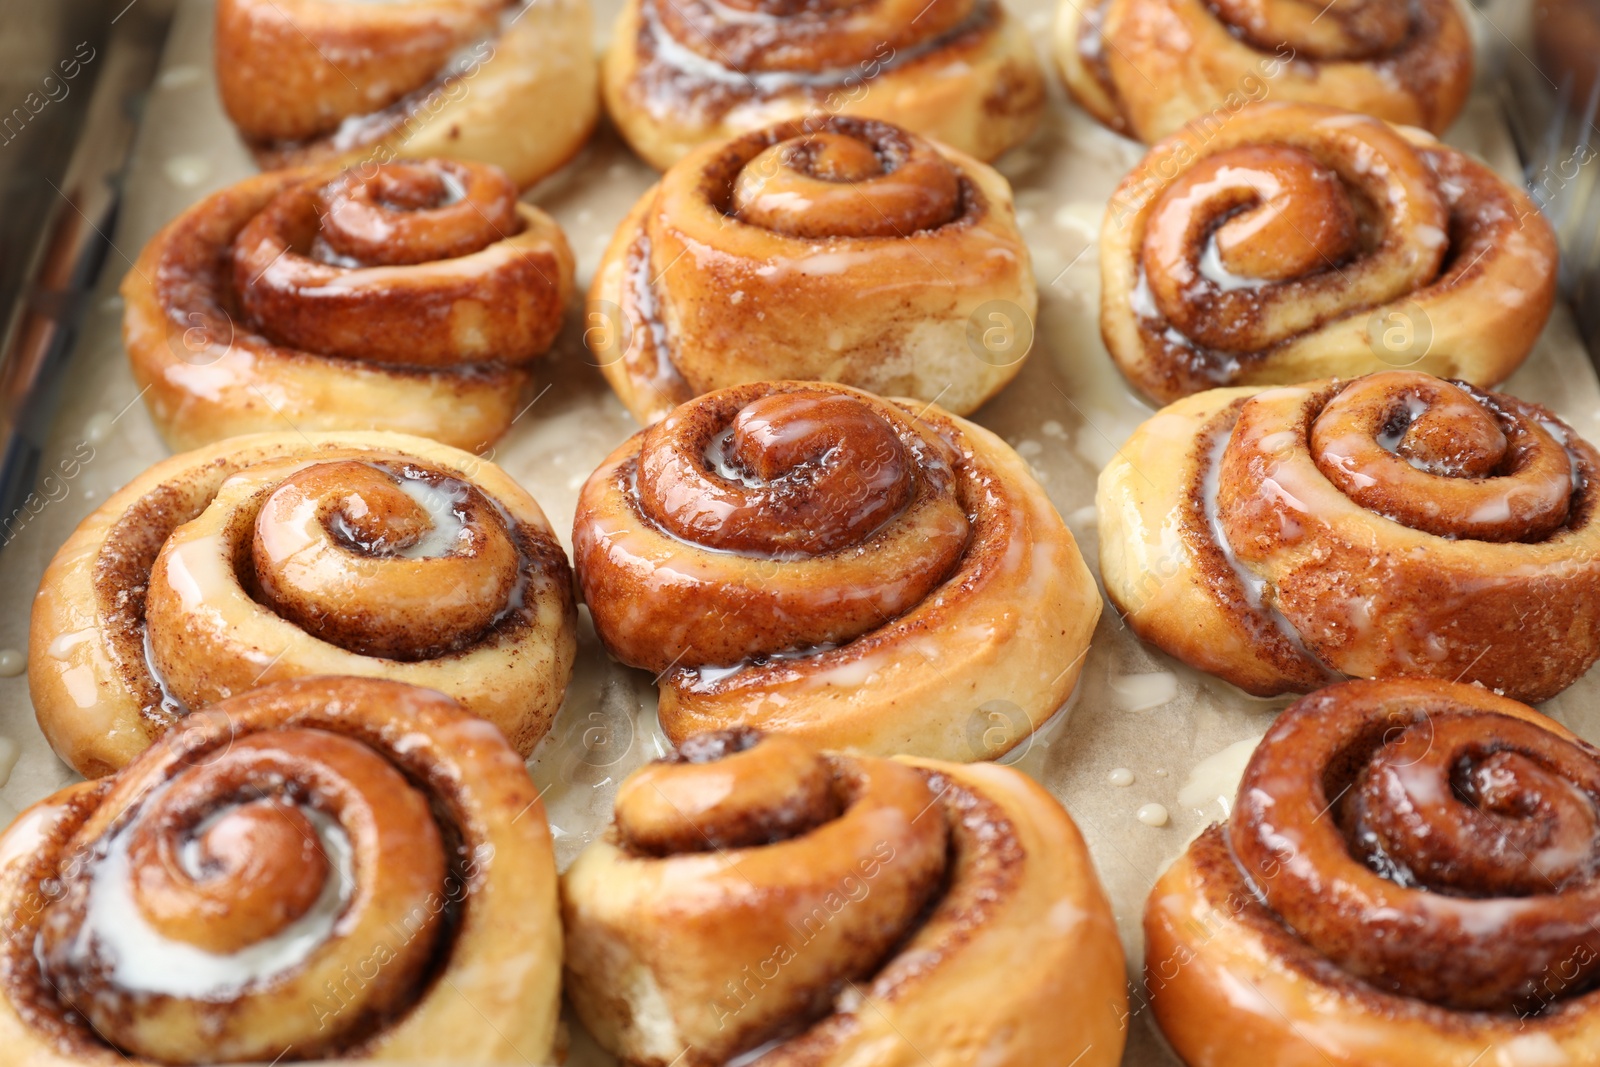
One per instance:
(1397, 524)
(811, 558)
(323, 82)
(405, 296)
(769, 901)
(678, 75)
(826, 248)
(1146, 67)
(1408, 878)
(287, 555)
(1290, 242)
(332, 868)
(408, 296)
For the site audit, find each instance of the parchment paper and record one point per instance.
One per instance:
(1181, 736)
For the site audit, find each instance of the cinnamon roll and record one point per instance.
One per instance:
(1407, 880)
(761, 901)
(1293, 242)
(286, 555)
(507, 82)
(827, 248)
(808, 558)
(409, 296)
(334, 868)
(681, 73)
(1146, 67)
(1397, 524)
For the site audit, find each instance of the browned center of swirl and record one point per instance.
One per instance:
(729, 789)
(247, 875)
(291, 853)
(1274, 213)
(1430, 848)
(1444, 458)
(1480, 806)
(401, 563)
(1347, 29)
(798, 473)
(851, 178)
(794, 830)
(413, 212)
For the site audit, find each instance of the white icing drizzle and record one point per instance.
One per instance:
(143, 960)
(1213, 270)
(1143, 692)
(1215, 779)
(443, 503)
(1390, 440)
(357, 130)
(670, 52)
(1254, 585)
(1152, 814)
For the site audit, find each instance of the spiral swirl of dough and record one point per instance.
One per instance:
(1295, 241)
(284, 556)
(334, 868)
(679, 75)
(839, 907)
(1146, 67)
(809, 557)
(1413, 859)
(406, 296)
(1397, 524)
(829, 248)
(505, 82)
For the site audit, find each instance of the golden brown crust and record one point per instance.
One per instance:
(903, 255)
(857, 936)
(406, 297)
(1287, 242)
(948, 591)
(1146, 67)
(1264, 935)
(681, 75)
(1463, 544)
(490, 81)
(437, 887)
(156, 604)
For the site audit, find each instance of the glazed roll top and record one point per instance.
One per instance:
(681, 75)
(1408, 877)
(828, 248)
(1396, 524)
(1487, 501)
(1145, 67)
(280, 556)
(406, 296)
(812, 828)
(753, 890)
(324, 868)
(401, 563)
(315, 268)
(1457, 864)
(273, 62)
(1291, 242)
(506, 82)
(829, 512)
(846, 179)
(792, 555)
(781, 35)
